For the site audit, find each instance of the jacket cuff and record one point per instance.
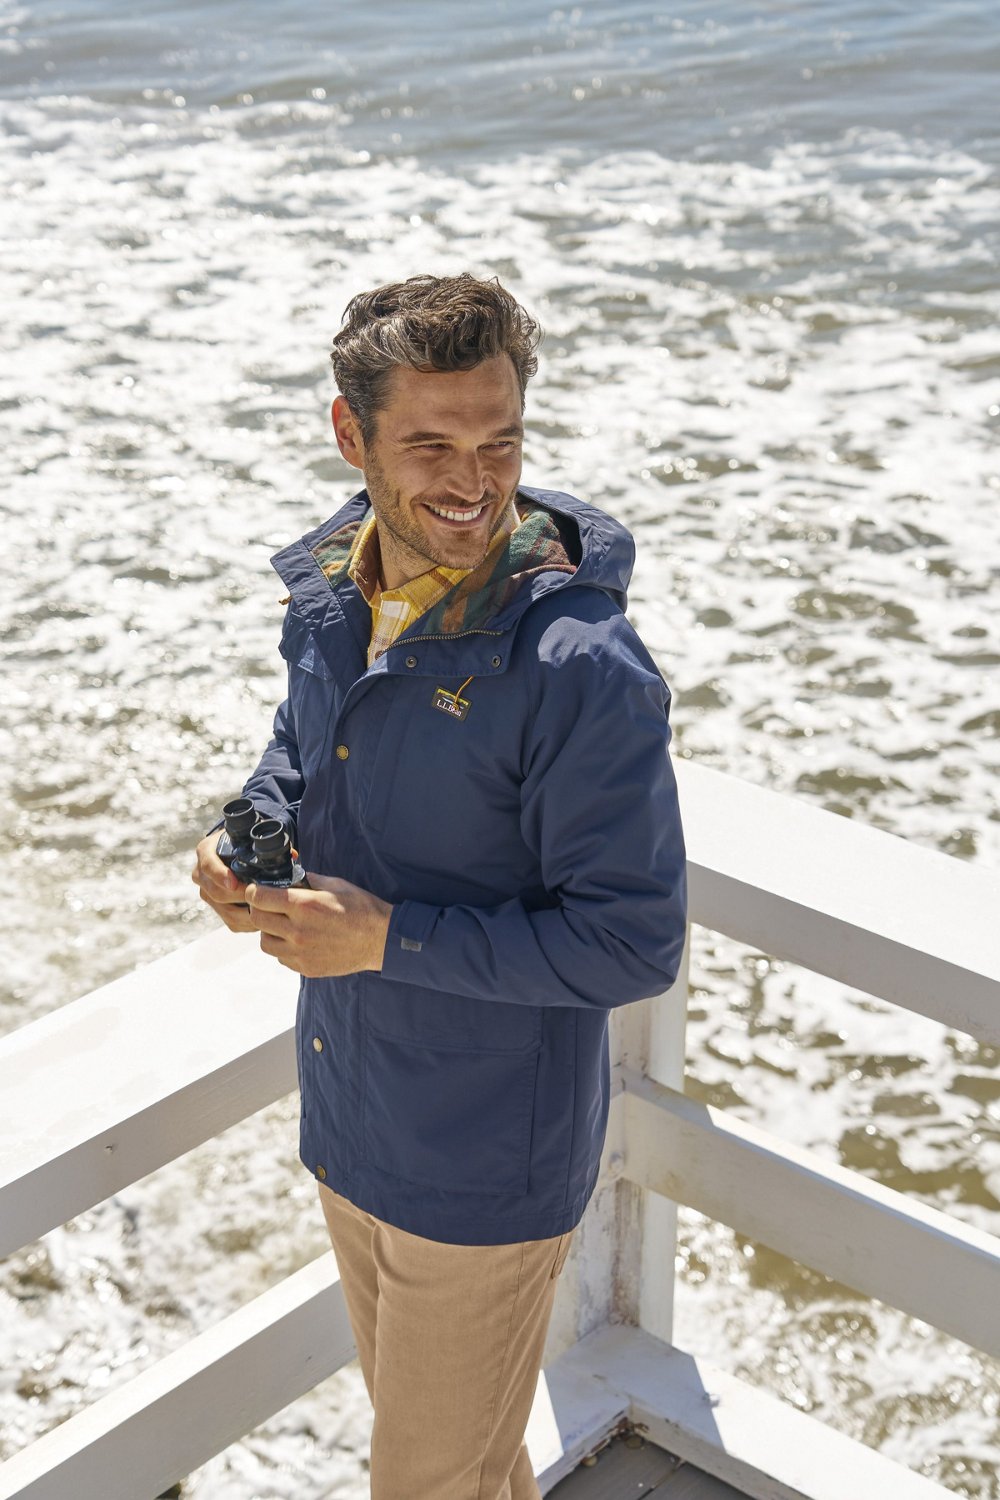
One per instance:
(410, 926)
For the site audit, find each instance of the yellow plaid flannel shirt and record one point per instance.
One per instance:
(394, 610)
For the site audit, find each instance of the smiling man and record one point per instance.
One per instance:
(443, 477)
(473, 762)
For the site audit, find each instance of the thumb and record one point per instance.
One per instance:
(331, 883)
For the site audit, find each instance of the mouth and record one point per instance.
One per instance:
(458, 518)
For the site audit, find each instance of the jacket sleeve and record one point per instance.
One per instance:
(277, 784)
(600, 810)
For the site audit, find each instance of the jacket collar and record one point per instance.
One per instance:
(561, 541)
(538, 545)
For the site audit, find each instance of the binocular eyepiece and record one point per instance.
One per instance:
(257, 849)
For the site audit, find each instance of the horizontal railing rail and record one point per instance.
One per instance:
(907, 924)
(100, 1093)
(108, 1088)
(195, 1401)
(869, 1237)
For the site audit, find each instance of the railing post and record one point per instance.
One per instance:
(621, 1265)
(665, 1063)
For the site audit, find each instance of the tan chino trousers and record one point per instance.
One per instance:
(450, 1339)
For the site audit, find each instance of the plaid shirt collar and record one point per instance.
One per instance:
(395, 610)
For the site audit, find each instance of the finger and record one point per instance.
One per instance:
(234, 897)
(208, 858)
(227, 890)
(230, 913)
(332, 883)
(276, 898)
(213, 874)
(237, 922)
(273, 922)
(215, 868)
(236, 918)
(275, 947)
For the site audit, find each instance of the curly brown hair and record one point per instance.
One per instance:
(428, 323)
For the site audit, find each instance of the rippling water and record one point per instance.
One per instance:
(763, 241)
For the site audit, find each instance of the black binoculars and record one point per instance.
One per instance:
(257, 849)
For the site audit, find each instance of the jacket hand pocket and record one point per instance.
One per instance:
(458, 1121)
(424, 1017)
(449, 1087)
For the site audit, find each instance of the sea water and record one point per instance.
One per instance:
(763, 242)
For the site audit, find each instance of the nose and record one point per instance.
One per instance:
(465, 478)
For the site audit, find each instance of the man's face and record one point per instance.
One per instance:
(443, 465)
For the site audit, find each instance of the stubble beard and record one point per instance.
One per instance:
(412, 547)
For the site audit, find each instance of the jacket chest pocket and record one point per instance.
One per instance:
(444, 788)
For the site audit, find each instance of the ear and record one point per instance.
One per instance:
(348, 433)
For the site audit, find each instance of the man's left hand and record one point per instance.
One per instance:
(332, 928)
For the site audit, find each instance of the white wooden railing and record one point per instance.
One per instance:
(89, 1107)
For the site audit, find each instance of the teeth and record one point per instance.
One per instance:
(456, 515)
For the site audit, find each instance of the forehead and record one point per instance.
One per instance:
(452, 400)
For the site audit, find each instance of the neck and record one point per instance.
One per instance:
(399, 564)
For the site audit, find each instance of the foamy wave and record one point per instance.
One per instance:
(783, 376)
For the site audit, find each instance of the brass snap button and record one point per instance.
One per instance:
(321, 1173)
(342, 752)
(317, 1044)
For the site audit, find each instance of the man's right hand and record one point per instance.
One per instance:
(219, 887)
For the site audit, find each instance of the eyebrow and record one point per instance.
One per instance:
(515, 430)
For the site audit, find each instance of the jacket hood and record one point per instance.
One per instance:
(561, 541)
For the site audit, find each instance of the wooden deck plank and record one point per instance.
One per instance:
(620, 1473)
(623, 1472)
(689, 1483)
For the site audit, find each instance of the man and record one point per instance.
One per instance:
(473, 763)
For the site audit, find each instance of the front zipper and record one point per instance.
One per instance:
(455, 635)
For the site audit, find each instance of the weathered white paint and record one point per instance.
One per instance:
(102, 1091)
(823, 1215)
(191, 1404)
(587, 1288)
(908, 924)
(666, 1025)
(626, 1237)
(751, 1440)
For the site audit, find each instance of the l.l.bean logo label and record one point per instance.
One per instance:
(452, 704)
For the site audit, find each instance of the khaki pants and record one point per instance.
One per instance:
(450, 1339)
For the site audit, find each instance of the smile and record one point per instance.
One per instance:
(457, 515)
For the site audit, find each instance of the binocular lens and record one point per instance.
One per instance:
(271, 845)
(257, 848)
(240, 816)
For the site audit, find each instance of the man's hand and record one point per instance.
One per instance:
(331, 929)
(219, 887)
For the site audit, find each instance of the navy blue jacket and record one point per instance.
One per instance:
(532, 848)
